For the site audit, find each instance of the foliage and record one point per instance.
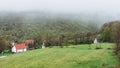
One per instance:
(22, 26)
(116, 38)
(106, 34)
(108, 29)
(4, 45)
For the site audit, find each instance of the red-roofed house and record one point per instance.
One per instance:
(19, 48)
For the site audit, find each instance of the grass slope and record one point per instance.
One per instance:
(79, 57)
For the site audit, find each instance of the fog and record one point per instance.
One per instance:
(100, 10)
(68, 6)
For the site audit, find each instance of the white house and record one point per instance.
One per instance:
(19, 48)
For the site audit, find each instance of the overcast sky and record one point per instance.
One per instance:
(69, 6)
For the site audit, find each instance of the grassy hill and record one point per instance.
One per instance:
(79, 57)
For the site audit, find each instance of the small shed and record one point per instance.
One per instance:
(95, 41)
(30, 44)
(19, 48)
(43, 46)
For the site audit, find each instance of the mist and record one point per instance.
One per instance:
(86, 11)
(62, 6)
(99, 8)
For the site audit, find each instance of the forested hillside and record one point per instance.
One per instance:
(26, 25)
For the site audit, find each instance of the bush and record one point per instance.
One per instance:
(4, 45)
(98, 48)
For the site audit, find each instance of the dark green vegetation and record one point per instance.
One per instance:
(28, 25)
(79, 57)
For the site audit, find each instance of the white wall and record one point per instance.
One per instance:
(20, 50)
(13, 49)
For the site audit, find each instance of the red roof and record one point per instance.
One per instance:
(20, 46)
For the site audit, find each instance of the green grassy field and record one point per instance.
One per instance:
(79, 57)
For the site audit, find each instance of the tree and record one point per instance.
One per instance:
(116, 38)
(116, 35)
(106, 34)
(61, 39)
(3, 44)
(89, 38)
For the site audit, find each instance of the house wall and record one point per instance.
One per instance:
(13, 49)
(20, 50)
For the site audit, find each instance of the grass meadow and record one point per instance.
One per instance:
(81, 56)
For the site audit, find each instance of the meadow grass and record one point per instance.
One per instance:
(79, 57)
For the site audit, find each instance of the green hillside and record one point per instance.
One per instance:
(29, 25)
(38, 26)
(79, 57)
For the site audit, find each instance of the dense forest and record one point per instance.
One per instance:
(28, 25)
